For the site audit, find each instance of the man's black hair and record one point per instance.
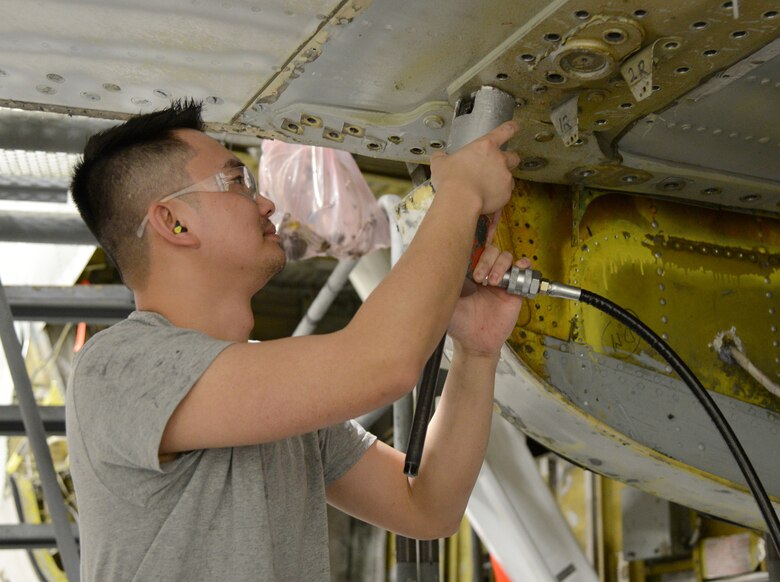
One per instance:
(123, 169)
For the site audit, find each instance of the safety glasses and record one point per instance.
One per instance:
(238, 179)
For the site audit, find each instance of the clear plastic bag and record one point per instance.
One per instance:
(324, 206)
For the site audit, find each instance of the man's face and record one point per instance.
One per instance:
(237, 237)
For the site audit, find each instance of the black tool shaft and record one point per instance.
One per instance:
(426, 393)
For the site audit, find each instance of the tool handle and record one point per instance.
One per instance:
(426, 393)
(480, 240)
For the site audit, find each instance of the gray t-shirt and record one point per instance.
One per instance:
(244, 513)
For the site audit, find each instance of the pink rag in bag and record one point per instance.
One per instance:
(324, 206)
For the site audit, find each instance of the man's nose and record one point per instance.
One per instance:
(266, 206)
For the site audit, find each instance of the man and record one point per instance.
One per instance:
(197, 455)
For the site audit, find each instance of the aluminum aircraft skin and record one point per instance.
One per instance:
(650, 141)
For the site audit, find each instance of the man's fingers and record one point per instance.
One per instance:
(500, 266)
(503, 133)
(485, 263)
(512, 160)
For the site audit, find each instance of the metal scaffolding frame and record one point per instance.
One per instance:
(62, 529)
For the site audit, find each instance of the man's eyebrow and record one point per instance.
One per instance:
(233, 163)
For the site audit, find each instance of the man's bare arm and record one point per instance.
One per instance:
(255, 393)
(430, 505)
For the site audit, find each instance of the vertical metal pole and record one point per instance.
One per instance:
(33, 426)
(325, 298)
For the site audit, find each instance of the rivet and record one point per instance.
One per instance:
(112, 87)
(555, 78)
(45, 89)
(90, 96)
(615, 36)
(750, 197)
(629, 179)
(664, 319)
(162, 94)
(55, 78)
(433, 122)
(3, 73)
(214, 100)
(764, 139)
(140, 101)
(533, 164)
(665, 336)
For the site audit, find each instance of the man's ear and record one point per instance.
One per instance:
(172, 225)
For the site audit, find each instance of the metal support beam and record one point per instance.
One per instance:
(36, 436)
(27, 536)
(33, 189)
(44, 227)
(94, 304)
(53, 418)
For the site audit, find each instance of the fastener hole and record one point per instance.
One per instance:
(353, 130)
(437, 145)
(538, 88)
(417, 151)
(629, 179)
(395, 139)
(373, 146)
(750, 198)
(640, 13)
(312, 120)
(699, 25)
(710, 52)
(672, 45)
(614, 36)
(502, 77)
(334, 135)
(739, 34)
(601, 122)
(582, 14)
(711, 191)
(682, 70)
(727, 5)
(528, 58)
(552, 37)
(770, 14)
(626, 105)
(656, 88)
(555, 78)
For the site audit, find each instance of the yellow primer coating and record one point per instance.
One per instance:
(688, 272)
